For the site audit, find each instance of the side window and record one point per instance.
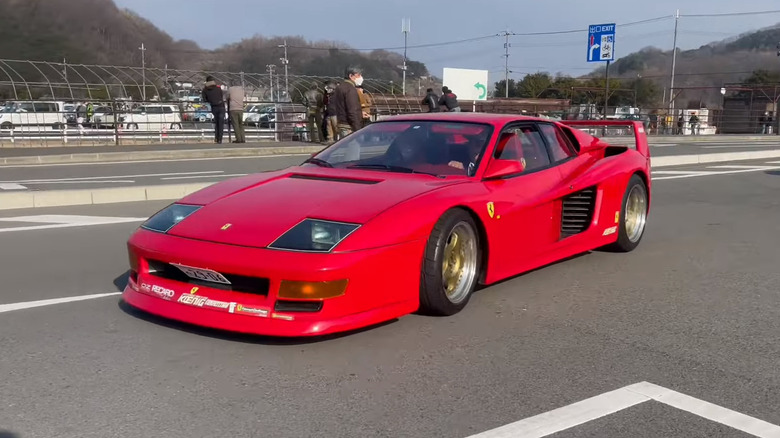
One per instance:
(560, 149)
(534, 151)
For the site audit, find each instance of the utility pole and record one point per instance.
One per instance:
(285, 61)
(674, 62)
(406, 27)
(271, 68)
(143, 72)
(506, 65)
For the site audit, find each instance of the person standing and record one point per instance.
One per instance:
(449, 99)
(349, 115)
(212, 93)
(314, 101)
(331, 122)
(432, 100)
(235, 99)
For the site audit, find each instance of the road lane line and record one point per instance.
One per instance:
(64, 221)
(204, 176)
(694, 174)
(40, 303)
(569, 416)
(712, 412)
(738, 166)
(680, 172)
(161, 160)
(91, 178)
(12, 186)
(102, 181)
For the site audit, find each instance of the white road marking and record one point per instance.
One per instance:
(608, 403)
(102, 181)
(746, 146)
(92, 178)
(693, 174)
(31, 304)
(64, 221)
(679, 172)
(737, 166)
(204, 176)
(12, 186)
(161, 160)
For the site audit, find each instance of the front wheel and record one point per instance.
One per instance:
(633, 215)
(451, 265)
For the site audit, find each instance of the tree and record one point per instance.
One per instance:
(534, 85)
(500, 89)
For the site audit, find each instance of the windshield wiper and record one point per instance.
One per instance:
(319, 162)
(391, 168)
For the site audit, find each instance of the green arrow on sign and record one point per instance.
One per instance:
(479, 86)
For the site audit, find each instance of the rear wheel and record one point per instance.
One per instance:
(451, 265)
(633, 215)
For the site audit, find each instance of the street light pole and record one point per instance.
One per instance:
(143, 72)
(506, 65)
(406, 26)
(674, 62)
(285, 62)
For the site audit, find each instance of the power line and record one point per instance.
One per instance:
(730, 14)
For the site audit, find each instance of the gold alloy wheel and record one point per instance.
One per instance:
(459, 262)
(636, 213)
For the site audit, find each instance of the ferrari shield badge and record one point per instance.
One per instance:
(491, 209)
(193, 290)
(226, 226)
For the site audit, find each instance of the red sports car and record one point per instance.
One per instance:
(409, 213)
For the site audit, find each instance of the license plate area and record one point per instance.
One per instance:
(201, 274)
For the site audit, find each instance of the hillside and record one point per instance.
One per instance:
(98, 32)
(707, 68)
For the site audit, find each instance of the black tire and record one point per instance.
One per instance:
(433, 298)
(625, 242)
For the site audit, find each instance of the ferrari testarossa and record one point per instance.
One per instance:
(408, 214)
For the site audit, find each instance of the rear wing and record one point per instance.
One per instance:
(638, 129)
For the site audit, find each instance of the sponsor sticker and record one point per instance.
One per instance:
(617, 216)
(158, 291)
(192, 300)
(491, 209)
(252, 310)
(216, 304)
(610, 230)
(280, 316)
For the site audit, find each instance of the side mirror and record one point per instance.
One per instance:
(501, 168)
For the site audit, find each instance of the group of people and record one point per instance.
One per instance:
(344, 107)
(221, 102)
(448, 102)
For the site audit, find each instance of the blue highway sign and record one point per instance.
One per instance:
(601, 42)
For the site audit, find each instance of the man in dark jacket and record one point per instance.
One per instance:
(432, 100)
(449, 99)
(331, 124)
(349, 115)
(212, 93)
(315, 104)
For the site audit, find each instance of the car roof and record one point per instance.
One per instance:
(496, 119)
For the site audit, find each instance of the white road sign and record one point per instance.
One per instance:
(467, 84)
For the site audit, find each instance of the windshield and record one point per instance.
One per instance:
(435, 147)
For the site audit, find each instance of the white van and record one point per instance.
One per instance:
(154, 117)
(39, 115)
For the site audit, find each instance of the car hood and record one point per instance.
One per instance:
(260, 208)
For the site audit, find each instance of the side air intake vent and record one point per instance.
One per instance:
(577, 212)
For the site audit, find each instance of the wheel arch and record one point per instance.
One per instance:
(646, 180)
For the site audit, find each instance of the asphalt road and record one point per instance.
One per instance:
(695, 309)
(152, 172)
(64, 150)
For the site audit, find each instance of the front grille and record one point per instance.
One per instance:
(239, 283)
(577, 212)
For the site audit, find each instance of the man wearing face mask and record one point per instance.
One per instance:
(349, 114)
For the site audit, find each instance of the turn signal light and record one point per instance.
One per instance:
(308, 290)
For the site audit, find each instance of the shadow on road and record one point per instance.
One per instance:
(120, 282)
(773, 172)
(7, 434)
(237, 337)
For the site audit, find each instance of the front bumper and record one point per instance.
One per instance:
(383, 284)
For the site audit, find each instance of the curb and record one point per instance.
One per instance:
(62, 198)
(160, 155)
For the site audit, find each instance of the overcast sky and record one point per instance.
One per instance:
(377, 24)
